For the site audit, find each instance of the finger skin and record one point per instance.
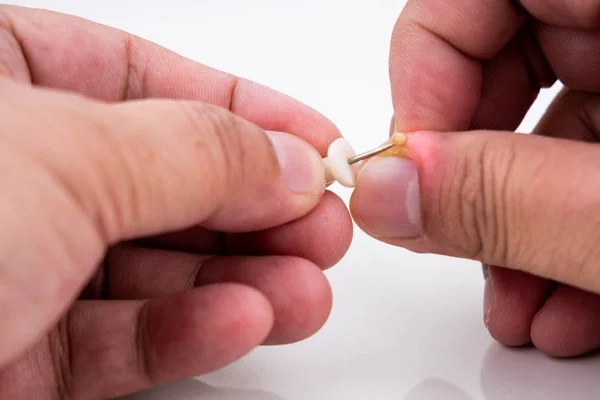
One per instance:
(573, 55)
(569, 323)
(107, 173)
(486, 196)
(511, 82)
(201, 156)
(516, 298)
(464, 36)
(566, 323)
(109, 349)
(100, 181)
(151, 342)
(511, 78)
(296, 289)
(583, 14)
(458, 36)
(322, 237)
(112, 65)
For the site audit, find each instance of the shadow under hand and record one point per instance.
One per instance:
(530, 374)
(436, 389)
(192, 389)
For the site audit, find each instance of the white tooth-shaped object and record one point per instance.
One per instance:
(336, 164)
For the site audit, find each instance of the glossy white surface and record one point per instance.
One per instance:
(337, 164)
(403, 326)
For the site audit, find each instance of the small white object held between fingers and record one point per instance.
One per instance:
(342, 163)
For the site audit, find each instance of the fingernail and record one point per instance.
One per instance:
(387, 197)
(487, 296)
(300, 163)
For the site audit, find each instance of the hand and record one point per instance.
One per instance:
(146, 241)
(528, 203)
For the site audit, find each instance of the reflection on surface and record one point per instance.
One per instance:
(192, 389)
(529, 374)
(436, 389)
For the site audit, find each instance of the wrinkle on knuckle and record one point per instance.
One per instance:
(494, 211)
(468, 192)
(144, 360)
(456, 194)
(478, 194)
(217, 137)
(60, 350)
(136, 187)
(449, 206)
(135, 69)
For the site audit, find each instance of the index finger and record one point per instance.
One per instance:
(69, 53)
(437, 51)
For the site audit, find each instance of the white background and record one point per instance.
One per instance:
(403, 326)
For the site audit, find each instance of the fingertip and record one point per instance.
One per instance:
(514, 299)
(506, 331)
(245, 309)
(280, 112)
(323, 236)
(386, 200)
(203, 329)
(297, 290)
(342, 237)
(568, 323)
(306, 306)
(257, 313)
(333, 233)
(507, 322)
(119, 347)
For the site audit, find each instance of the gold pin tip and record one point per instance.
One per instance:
(399, 139)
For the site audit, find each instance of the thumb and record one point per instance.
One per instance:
(155, 166)
(521, 201)
(89, 174)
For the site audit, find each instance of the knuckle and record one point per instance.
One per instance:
(494, 214)
(202, 149)
(231, 149)
(474, 200)
(215, 135)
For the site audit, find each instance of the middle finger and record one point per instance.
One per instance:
(323, 237)
(296, 288)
